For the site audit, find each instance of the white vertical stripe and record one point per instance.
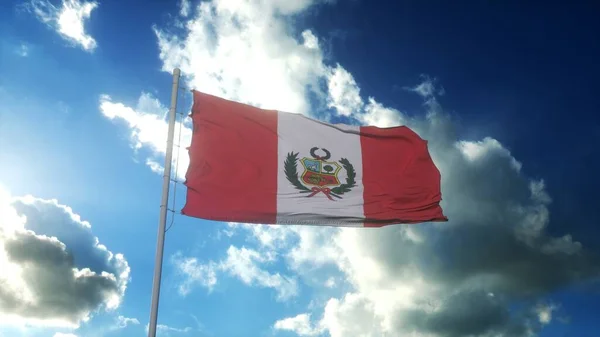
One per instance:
(298, 134)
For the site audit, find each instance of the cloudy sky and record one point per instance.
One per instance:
(505, 95)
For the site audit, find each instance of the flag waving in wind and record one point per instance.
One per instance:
(263, 166)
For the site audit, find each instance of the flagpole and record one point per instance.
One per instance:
(160, 241)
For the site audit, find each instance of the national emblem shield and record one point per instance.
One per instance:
(318, 172)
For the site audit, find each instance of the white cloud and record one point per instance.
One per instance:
(425, 89)
(351, 316)
(544, 312)
(247, 265)
(155, 166)
(378, 115)
(344, 94)
(194, 273)
(184, 8)
(302, 248)
(244, 51)
(147, 122)
(122, 322)
(56, 273)
(165, 330)
(61, 334)
(23, 50)
(299, 324)
(270, 236)
(68, 21)
(241, 263)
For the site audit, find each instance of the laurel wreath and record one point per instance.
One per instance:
(291, 173)
(350, 182)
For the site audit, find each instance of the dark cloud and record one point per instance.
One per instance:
(62, 273)
(463, 314)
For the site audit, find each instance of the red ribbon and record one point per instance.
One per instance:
(316, 190)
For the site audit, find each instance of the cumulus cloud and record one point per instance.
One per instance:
(545, 312)
(121, 322)
(55, 272)
(61, 334)
(148, 128)
(68, 20)
(463, 277)
(184, 8)
(22, 50)
(244, 51)
(427, 88)
(271, 237)
(242, 263)
(165, 330)
(300, 324)
(344, 94)
(194, 273)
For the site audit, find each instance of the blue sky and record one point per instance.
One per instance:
(504, 93)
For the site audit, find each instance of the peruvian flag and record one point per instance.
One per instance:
(253, 165)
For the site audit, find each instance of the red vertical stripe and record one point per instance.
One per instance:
(233, 162)
(401, 182)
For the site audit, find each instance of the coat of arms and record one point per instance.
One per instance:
(320, 174)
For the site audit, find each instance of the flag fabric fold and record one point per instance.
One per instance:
(254, 165)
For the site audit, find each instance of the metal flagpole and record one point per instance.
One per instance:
(160, 241)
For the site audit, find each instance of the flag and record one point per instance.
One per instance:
(252, 165)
